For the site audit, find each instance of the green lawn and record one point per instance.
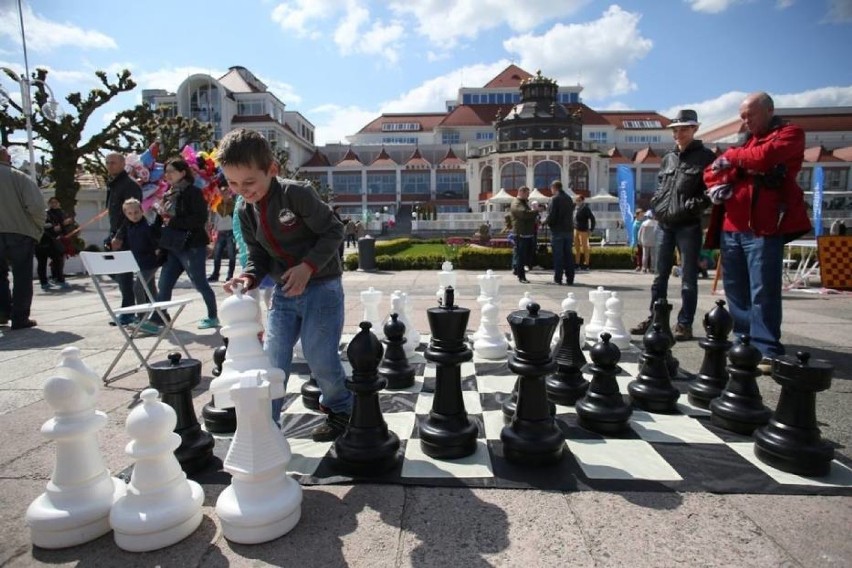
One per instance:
(424, 249)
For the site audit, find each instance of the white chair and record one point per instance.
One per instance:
(99, 265)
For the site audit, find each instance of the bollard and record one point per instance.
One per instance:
(367, 253)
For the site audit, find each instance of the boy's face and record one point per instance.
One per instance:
(133, 213)
(250, 181)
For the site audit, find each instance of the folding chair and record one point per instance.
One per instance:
(98, 265)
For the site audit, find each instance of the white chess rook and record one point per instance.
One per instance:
(263, 502)
(239, 314)
(161, 506)
(75, 508)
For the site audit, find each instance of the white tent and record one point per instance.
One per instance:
(500, 198)
(602, 197)
(536, 195)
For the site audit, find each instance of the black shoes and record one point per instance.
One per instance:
(334, 425)
(682, 332)
(523, 281)
(24, 324)
(213, 278)
(641, 328)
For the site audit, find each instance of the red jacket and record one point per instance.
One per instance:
(766, 199)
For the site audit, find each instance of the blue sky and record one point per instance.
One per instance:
(342, 62)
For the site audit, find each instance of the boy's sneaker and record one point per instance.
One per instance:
(334, 425)
(46, 287)
(682, 332)
(62, 285)
(641, 328)
(149, 328)
(126, 319)
(208, 323)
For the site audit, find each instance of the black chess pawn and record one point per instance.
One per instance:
(311, 393)
(603, 409)
(394, 367)
(567, 384)
(532, 438)
(662, 311)
(791, 441)
(652, 388)
(175, 378)
(448, 432)
(712, 377)
(367, 447)
(740, 407)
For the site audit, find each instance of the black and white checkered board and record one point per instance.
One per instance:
(682, 452)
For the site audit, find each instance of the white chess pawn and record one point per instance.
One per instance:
(525, 301)
(245, 352)
(162, 506)
(262, 502)
(598, 299)
(75, 508)
(446, 277)
(569, 304)
(614, 324)
(491, 343)
(371, 299)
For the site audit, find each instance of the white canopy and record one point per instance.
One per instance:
(500, 197)
(602, 197)
(536, 195)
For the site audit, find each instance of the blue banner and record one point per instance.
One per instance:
(819, 183)
(626, 199)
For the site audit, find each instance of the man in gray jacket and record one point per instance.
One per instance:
(21, 225)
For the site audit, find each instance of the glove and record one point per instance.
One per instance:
(719, 193)
(721, 164)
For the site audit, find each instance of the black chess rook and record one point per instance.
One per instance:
(652, 389)
(448, 432)
(394, 367)
(791, 441)
(367, 447)
(567, 385)
(740, 407)
(533, 437)
(603, 409)
(712, 377)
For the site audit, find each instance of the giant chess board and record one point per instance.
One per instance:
(678, 452)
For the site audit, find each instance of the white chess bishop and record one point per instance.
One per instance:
(263, 502)
(614, 324)
(239, 315)
(598, 298)
(75, 508)
(371, 299)
(161, 506)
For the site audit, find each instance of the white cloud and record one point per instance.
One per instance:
(170, 78)
(839, 11)
(712, 6)
(45, 35)
(783, 4)
(300, 16)
(335, 122)
(284, 91)
(444, 22)
(601, 52)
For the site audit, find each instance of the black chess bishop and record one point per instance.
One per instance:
(712, 377)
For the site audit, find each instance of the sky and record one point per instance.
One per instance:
(341, 63)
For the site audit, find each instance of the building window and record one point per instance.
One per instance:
(545, 173)
(346, 183)
(485, 136)
(598, 136)
(613, 181)
(400, 127)
(513, 175)
(451, 185)
(450, 137)
(648, 181)
(578, 176)
(487, 182)
(383, 183)
(399, 140)
(415, 182)
(642, 139)
(642, 124)
(251, 107)
(835, 179)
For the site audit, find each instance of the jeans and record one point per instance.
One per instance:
(225, 239)
(149, 275)
(16, 253)
(315, 316)
(751, 273)
(688, 241)
(563, 256)
(193, 261)
(525, 247)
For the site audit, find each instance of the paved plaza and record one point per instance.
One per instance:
(394, 525)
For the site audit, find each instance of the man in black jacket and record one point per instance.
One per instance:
(560, 219)
(120, 188)
(678, 203)
(584, 224)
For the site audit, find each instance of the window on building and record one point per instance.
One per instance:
(452, 185)
(598, 136)
(545, 173)
(487, 180)
(642, 124)
(415, 182)
(513, 175)
(452, 208)
(346, 183)
(578, 176)
(648, 181)
(400, 127)
(399, 140)
(251, 107)
(466, 99)
(381, 183)
(613, 181)
(450, 137)
(485, 136)
(835, 179)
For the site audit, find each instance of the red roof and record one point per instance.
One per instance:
(820, 154)
(383, 160)
(416, 161)
(843, 153)
(476, 115)
(426, 120)
(351, 159)
(589, 116)
(511, 76)
(317, 160)
(450, 160)
(646, 156)
(821, 122)
(618, 117)
(616, 157)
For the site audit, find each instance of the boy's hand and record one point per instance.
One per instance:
(295, 279)
(237, 283)
(115, 244)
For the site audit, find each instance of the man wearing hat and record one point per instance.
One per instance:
(678, 204)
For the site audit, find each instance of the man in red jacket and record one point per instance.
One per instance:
(758, 208)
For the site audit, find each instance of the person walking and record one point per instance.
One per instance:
(584, 224)
(523, 221)
(21, 226)
(758, 207)
(648, 241)
(50, 247)
(560, 219)
(678, 204)
(120, 188)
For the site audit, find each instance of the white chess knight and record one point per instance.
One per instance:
(489, 290)
(263, 502)
(245, 353)
(446, 278)
(614, 324)
(569, 304)
(400, 305)
(75, 508)
(161, 506)
(491, 343)
(598, 298)
(371, 299)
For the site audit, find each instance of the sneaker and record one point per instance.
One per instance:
(765, 366)
(641, 328)
(125, 319)
(213, 278)
(682, 332)
(208, 323)
(63, 285)
(334, 425)
(46, 287)
(149, 328)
